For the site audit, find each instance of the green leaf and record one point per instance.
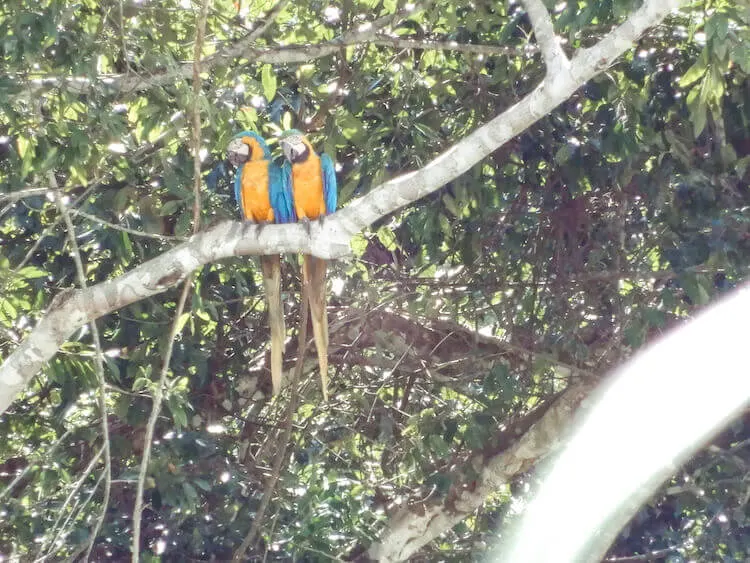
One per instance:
(563, 154)
(248, 117)
(351, 127)
(450, 204)
(26, 152)
(127, 245)
(170, 207)
(695, 72)
(268, 80)
(699, 118)
(717, 26)
(32, 272)
(181, 323)
(122, 199)
(178, 414)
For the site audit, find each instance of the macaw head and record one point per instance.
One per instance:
(295, 145)
(247, 146)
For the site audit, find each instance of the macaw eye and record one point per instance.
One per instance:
(288, 151)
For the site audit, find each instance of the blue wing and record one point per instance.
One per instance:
(237, 188)
(330, 191)
(280, 178)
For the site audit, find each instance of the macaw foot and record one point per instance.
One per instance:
(321, 219)
(307, 225)
(260, 226)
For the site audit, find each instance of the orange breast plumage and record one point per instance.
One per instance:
(307, 187)
(256, 200)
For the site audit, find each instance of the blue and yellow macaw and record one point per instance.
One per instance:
(312, 179)
(264, 196)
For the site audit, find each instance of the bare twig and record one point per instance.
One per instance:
(79, 510)
(268, 20)
(39, 455)
(650, 556)
(134, 232)
(438, 45)
(22, 194)
(159, 390)
(284, 54)
(196, 114)
(153, 417)
(287, 430)
(51, 227)
(98, 358)
(55, 527)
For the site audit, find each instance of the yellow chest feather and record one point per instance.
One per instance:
(307, 188)
(256, 201)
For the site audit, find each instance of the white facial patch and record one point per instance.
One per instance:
(293, 140)
(237, 152)
(293, 146)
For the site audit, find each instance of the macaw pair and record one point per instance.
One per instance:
(302, 189)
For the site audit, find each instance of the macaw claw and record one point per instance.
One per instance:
(307, 225)
(260, 226)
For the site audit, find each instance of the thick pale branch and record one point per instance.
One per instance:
(705, 391)
(554, 57)
(72, 309)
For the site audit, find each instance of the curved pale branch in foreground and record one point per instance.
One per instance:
(71, 309)
(609, 467)
(535, 436)
(649, 419)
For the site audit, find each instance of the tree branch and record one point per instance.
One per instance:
(650, 556)
(22, 194)
(176, 324)
(98, 360)
(71, 309)
(286, 435)
(105, 223)
(287, 54)
(129, 83)
(417, 524)
(648, 420)
(553, 55)
(61, 512)
(437, 45)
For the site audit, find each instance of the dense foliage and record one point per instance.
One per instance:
(611, 220)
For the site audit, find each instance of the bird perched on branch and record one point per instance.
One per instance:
(312, 180)
(263, 195)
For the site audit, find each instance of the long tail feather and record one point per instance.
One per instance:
(271, 267)
(314, 275)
